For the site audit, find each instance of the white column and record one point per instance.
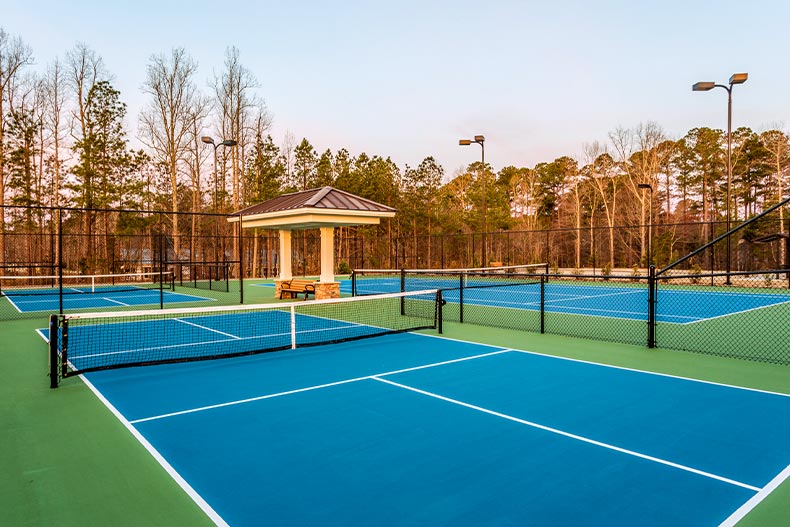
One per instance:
(285, 255)
(327, 254)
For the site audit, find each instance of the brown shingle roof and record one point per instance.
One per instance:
(320, 198)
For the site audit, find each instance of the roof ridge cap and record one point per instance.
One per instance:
(321, 194)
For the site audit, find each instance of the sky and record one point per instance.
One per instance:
(408, 79)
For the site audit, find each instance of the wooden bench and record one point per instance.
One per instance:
(295, 287)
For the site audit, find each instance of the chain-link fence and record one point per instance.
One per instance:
(63, 260)
(719, 292)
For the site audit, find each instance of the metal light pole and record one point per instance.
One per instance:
(227, 142)
(736, 78)
(649, 187)
(480, 140)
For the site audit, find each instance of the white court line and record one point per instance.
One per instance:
(612, 366)
(317, 387)
(747, 507)
(574, 310)
(572, 436)
(207, 328)
(733, 313)
(186, 487)
(14, 304)
(115, 301)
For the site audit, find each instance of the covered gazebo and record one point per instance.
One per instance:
(321, 208)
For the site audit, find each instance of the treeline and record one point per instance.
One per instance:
(64, 142)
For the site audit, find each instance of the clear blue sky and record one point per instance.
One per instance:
(409, 78)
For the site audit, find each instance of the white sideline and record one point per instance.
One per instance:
(192, 493)
(747, 507)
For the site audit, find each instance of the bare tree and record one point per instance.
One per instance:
(85, 70)
(641, 159)
(238, 108)
(603, 176)
(195, 158)
(778, 144)
(55, 101)
(167, 123)
(14, 55)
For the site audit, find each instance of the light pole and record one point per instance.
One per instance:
(648, 186)
(227, 142)
(736, 78)
(480, 140)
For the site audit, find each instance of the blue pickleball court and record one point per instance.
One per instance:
(101, 297)
(676, 305)
(414, 430)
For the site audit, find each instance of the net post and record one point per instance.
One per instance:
(402, 290)
(353, 282)
(54, 372)
(461, 297)
(542, 304)
(64, 345)
(651, 307)
(293, 327)
(439, 305)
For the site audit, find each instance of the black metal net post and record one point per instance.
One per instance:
(54, 359)
(439, 306)
(542, 304)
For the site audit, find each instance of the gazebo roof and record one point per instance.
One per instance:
(308, 209)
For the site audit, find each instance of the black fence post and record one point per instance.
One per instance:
(402, 290)
(353, 282)
(461, 297)
(60, 260)
(439, 305)
(542, 304)
(162, 259)
(241, 259)
(651, 307)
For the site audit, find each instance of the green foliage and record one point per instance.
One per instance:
(305, 161)
(265, 171)
(106, 170)
(343, 268)
(21, 149)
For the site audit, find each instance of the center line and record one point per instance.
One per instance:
(207, 329)
(572, 436)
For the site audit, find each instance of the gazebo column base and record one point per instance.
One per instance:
(327, 290)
